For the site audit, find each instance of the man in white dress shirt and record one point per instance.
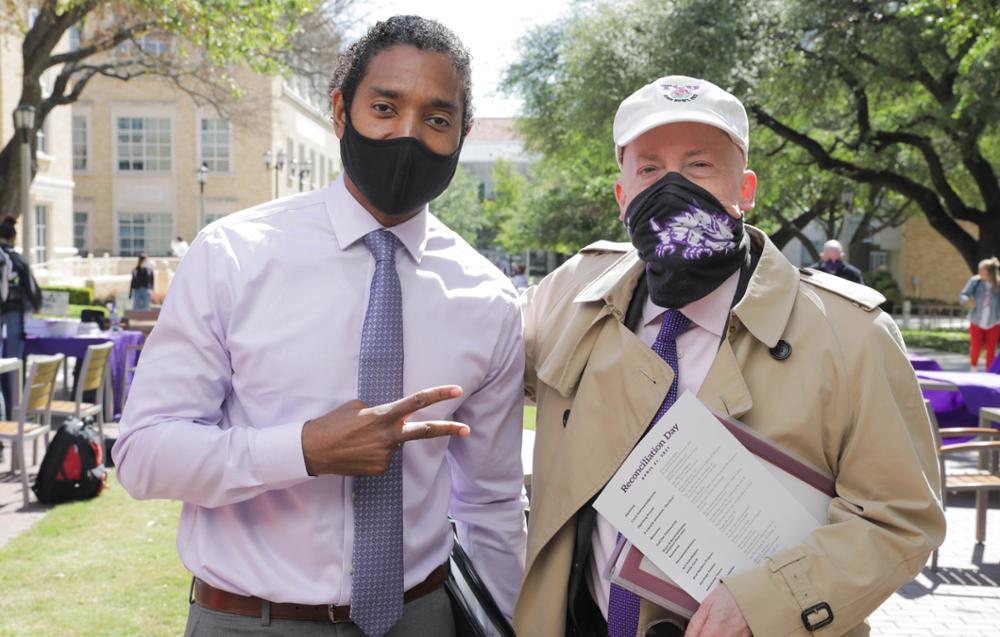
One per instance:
(304, 512)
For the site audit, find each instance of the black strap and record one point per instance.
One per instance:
(746, 273)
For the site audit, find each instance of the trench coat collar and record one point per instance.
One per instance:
(767, 304)
(615, 285)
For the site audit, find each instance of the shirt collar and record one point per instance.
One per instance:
(351, 222)
(709, 312)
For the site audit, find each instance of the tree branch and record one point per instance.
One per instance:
(791, 229)
(935, 168)
(926, 198)
(105, 45)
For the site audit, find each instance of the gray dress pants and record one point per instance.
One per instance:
(428, 616)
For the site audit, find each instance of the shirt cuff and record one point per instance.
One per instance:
(277, 454)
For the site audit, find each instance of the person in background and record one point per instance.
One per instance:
(19, 295)
(520, 280)
(142, 284)
(832, 261)
(179, 247)
(981, 295)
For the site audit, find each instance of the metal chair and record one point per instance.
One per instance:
(94, 375)
(128, 370)
(981, 481)
(36, 403)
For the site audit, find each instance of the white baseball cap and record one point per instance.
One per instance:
(678, 98)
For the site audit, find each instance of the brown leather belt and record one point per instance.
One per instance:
(216, 599)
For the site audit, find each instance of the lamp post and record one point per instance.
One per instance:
(277, 161)
(24, 122)
(202, 178)
(302, 169)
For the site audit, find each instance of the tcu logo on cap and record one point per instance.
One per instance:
(680, 92)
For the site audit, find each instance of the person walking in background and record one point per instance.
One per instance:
(520, 279)
(179, 247)
(142, 284)
(832, 262)
(982, 295)
(19, 294)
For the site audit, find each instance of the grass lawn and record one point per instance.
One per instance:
(529, 417)
(101, 567)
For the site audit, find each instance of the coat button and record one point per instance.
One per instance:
(781, 351)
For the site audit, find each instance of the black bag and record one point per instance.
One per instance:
(475, 611)
(73, 466)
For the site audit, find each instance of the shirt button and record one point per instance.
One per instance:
(350, 569)
(680, 355)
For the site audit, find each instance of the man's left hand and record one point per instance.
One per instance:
(718, 616)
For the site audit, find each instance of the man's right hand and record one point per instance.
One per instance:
(357, 440)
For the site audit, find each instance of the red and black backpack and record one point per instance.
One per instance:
(73, 466)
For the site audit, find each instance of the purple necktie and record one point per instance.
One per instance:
(623, 605)
(377, 575)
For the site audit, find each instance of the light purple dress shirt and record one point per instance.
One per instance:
(261, 332)
(696, 349)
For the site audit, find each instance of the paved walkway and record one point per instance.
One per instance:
(961, 599)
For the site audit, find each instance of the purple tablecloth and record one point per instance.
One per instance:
(961, 408)
(995, 367)
(923, 363)
(76, 346)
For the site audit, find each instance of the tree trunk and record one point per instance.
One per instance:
(10, 178)
(989, 239)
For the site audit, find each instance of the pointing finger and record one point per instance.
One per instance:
(415, 402)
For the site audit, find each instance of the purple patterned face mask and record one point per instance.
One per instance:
(688, 241)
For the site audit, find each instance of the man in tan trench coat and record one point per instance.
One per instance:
(804, 358)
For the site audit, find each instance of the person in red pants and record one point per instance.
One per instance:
(981, 295)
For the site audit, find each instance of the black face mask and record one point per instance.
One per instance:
(397, 175)
(689, 243)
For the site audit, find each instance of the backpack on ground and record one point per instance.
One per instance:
(73, 466)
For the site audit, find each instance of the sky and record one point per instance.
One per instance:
(489, 28)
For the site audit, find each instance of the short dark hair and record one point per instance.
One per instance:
(424, 34)
(8, 228)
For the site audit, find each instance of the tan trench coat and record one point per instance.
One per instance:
(846, 400)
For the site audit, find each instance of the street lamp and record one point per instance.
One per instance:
(302, 169)
(277, 162)
(202, 178)
(24, 122)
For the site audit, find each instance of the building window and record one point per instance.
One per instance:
(144, 233)
(74, 38)
(144, 144)
(41, 141)
(80, 143)
(81, 232)
(157, 45)
(215, 145)
(290, 159)
(877, 259)
(41, 233)
(212, 218)
(322, 170)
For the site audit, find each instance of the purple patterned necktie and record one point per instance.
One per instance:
(377, 565)
(623, 605)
